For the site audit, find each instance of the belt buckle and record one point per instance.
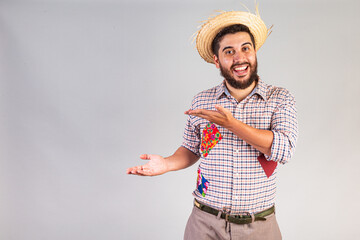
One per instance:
(227, 214)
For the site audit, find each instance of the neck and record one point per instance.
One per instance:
(240, 94)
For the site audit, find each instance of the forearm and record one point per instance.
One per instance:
(258, 138)
(182, 158)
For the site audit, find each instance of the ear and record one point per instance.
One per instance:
(216, 61)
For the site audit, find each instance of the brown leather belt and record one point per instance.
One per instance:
(238, 219)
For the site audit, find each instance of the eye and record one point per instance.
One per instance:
(229, 52)
(246, 49)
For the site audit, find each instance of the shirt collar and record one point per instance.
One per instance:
(221, 89)
(259, 89)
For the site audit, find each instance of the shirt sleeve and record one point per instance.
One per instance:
(192, 136)
(284, 125)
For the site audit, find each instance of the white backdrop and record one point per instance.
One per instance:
(87, 86)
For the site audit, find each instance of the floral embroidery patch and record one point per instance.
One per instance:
(210, 137)
(202, 184)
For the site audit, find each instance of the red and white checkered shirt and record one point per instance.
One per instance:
(230, 175)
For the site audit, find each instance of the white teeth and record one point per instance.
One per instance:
(240, 68)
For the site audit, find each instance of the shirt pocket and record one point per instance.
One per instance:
(259, 119)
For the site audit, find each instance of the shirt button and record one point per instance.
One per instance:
(236, 175)
(236, 197)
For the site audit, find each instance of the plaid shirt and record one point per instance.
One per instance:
(230, 175)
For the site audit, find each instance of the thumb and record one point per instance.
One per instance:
(145, 156)
(222, 110)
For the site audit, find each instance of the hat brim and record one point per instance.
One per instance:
(214, 25)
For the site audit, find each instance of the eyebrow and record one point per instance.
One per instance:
(241, 45)
(226, 48)
(246, 43)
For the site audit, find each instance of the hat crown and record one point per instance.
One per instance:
(214, 25)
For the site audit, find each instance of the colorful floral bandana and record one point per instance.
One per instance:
(210, 137)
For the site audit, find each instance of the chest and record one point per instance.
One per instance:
(253, 112)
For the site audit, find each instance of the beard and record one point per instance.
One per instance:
(240, 84)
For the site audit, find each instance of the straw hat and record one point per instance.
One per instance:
(214, 25)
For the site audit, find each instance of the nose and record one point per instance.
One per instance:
(238, 56)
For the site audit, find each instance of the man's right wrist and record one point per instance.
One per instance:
(168, 164)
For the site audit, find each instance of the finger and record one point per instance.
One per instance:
(190, 112)
(222, 110)
(129, 171)
(141, 172)
(145, 156)
(199, 111)
(208, 114)
(138, 173)
(133, 170)
(207, 117)
(219, 108)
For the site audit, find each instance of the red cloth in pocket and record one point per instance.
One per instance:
(268, 166)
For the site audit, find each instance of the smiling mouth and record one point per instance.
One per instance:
(241, 70)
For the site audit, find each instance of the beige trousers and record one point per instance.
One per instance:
(202, 226)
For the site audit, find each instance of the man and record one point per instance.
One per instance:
(240, 130)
